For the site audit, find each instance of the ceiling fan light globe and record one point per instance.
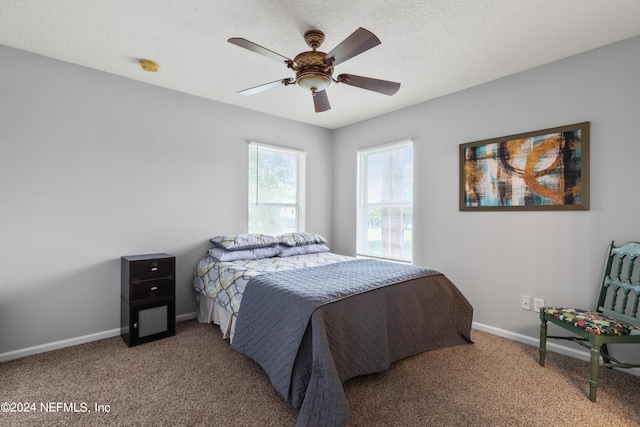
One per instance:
(311, 82)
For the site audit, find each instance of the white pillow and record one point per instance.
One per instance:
(300, 238)
(312, 248)
(220, 254)
(234, 242)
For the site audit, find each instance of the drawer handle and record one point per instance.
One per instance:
(154, 268)
(135, 326)
(154, 288)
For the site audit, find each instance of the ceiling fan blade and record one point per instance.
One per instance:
(360, 41)
(238, 41)
(321, 101)
(381, 86)
(264, 87)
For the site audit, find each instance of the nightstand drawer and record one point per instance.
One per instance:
(149, 289)
(151, 269)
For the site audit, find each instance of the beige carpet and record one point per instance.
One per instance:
(196, 379)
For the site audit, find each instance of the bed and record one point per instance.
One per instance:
(313, 319)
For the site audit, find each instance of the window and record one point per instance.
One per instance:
(385, 201)
(276, 189)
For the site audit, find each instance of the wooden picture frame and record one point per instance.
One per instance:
(534, 171)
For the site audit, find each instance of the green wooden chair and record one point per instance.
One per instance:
(614, 320)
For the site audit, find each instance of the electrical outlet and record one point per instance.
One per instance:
(538, 303)
(525, 303)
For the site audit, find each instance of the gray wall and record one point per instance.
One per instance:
(93, 167)
(495, 257)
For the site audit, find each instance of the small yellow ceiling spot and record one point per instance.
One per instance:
(149, 65)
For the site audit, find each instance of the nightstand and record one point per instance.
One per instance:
(148, 304)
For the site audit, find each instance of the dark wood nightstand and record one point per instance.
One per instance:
(148, 304)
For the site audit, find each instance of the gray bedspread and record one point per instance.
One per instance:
(312, 329)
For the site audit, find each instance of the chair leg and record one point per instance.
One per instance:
(543, 341)
(604, 351)
(594, 365)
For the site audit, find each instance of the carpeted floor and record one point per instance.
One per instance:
(196, 379)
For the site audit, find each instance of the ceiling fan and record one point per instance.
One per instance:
(314, 69)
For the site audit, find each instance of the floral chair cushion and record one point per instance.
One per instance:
(592, 321)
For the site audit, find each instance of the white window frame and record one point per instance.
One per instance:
(361, 195)
(300, 181)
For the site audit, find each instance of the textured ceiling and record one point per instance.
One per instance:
(432, 47)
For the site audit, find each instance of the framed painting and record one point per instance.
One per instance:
(542, 170)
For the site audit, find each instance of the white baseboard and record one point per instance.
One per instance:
(17, 354)
(183, 317)
(551, 346)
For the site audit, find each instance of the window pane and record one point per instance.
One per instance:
(389, 176)
(388, 232)
(272, 220)
(276, 177)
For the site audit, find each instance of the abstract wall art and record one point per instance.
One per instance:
(542, 170)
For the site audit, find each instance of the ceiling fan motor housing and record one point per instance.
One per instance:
(312, 73)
